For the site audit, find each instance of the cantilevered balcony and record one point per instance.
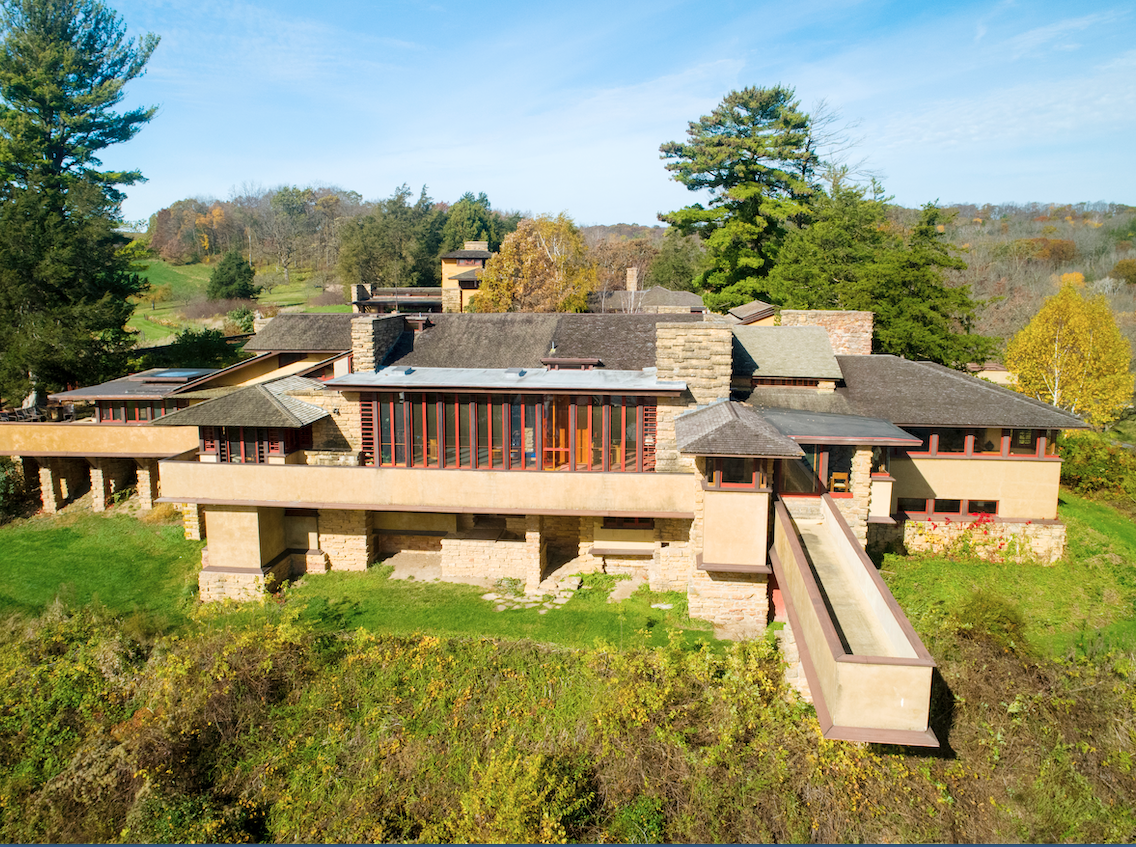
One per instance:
(407, 489)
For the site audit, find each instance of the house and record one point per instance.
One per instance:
(654, 300)
(461, 274)
(746, 465)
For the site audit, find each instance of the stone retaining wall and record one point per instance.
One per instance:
(995, 541)
(388, 544)
(737, 601)
(484, 558)
(345, 536)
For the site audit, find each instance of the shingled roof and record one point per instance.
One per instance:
(789, 352)
(754, 310)
(726, 428)
(304, 333)
(522, 340)
(266, 405)
(910, 393)
(649, 298)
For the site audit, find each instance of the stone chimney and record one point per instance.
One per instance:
(372, 337)
(632, 279)
(849, 332)
(477, 245)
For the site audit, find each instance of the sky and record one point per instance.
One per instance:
(551, 107)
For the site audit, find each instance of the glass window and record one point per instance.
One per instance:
(914, 505)
(988, 440)
(952, 441)
(982, 507)
(881, 460)
(736, 470)
(948, 507)
(1023, 442)
(924, 435)
(1051, 442)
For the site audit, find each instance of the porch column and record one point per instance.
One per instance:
(192, 521)
(345, 536)
(108, 477)
(59, 480)
(535, 547)
(147, 483)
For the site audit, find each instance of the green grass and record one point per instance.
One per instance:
(186, 282)
(1084, 602)
(122, 563)
(373, 601)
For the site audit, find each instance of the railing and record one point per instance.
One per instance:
(882, 698)
(409, 489)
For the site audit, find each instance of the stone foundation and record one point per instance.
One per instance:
(227, 584)
(737, 601)
(996, 541)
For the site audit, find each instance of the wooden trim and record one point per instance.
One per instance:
(713, 567)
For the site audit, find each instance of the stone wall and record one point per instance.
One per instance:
(737, 601)
(241, 586)
(994, 540)
(849, 332)
(342, 430)
(345, 536)
(674, 560)
(372, 336)
(488, 558)
(333, 458)
(451, 299)
(390, 543)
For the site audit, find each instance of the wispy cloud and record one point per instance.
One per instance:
(1034, 40)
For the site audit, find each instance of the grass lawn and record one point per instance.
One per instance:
(126, 565)
(1085, 602)
(373, 601)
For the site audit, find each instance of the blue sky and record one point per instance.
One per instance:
(562, 107)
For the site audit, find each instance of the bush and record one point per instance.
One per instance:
(1091, 464)
(1125, 270)
(232, 278)
(242, 319)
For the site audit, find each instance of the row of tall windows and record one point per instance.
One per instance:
(136, 411)
(528, 432)
(989, 441)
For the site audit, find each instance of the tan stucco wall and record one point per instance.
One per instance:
(735, 527)
(1024, 488)
(430, 490)
(92, 439)
(882, 696)
(244, 537)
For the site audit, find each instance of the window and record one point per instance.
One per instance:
(923, 434)
(952, 441)
(551, 432)
(628, 523)
(947, 507)
(880, 461)
(920, 508)
(912, 505)
(988, 440)
(982, 507)
(734, 472)
(1023, 442)
(252, 445)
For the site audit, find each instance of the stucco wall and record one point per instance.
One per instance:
(736, 527)
(244, 536)
(1024, 488)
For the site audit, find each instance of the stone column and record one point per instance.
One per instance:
(59, 481)
(855, 509)
(192, 521)
(147, 483)
(535, 544)
(345, 537)
(108, 477)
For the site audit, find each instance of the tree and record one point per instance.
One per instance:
(612, 256)
(679, 263)
(541, 267)
(64, 280)
(1073, 356)
(232, 279)
(394, 246)
(756, 157)
(473, 219)
(1125, 270)
(852, 256)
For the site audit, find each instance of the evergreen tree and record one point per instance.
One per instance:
(755, 155)
(64, 281)
(853, 257)
(232, 279)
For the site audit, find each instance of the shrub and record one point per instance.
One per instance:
(232, 278)
(1092, 464)
(1125, 269)
(242, 319)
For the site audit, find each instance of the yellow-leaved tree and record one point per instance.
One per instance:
(541, 267)
(1072, 355)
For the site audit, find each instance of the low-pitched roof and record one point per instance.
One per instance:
(754, 310)
(267, 405)
(152, 384)
(830, 428)
(727, 428)
(304, 333)
(925, 394)
(648, 298)
(604, 381)
(467, 254)
(789, 352)
(523, 339)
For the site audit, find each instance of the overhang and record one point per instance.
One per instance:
(554, 381)
(830, 428)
